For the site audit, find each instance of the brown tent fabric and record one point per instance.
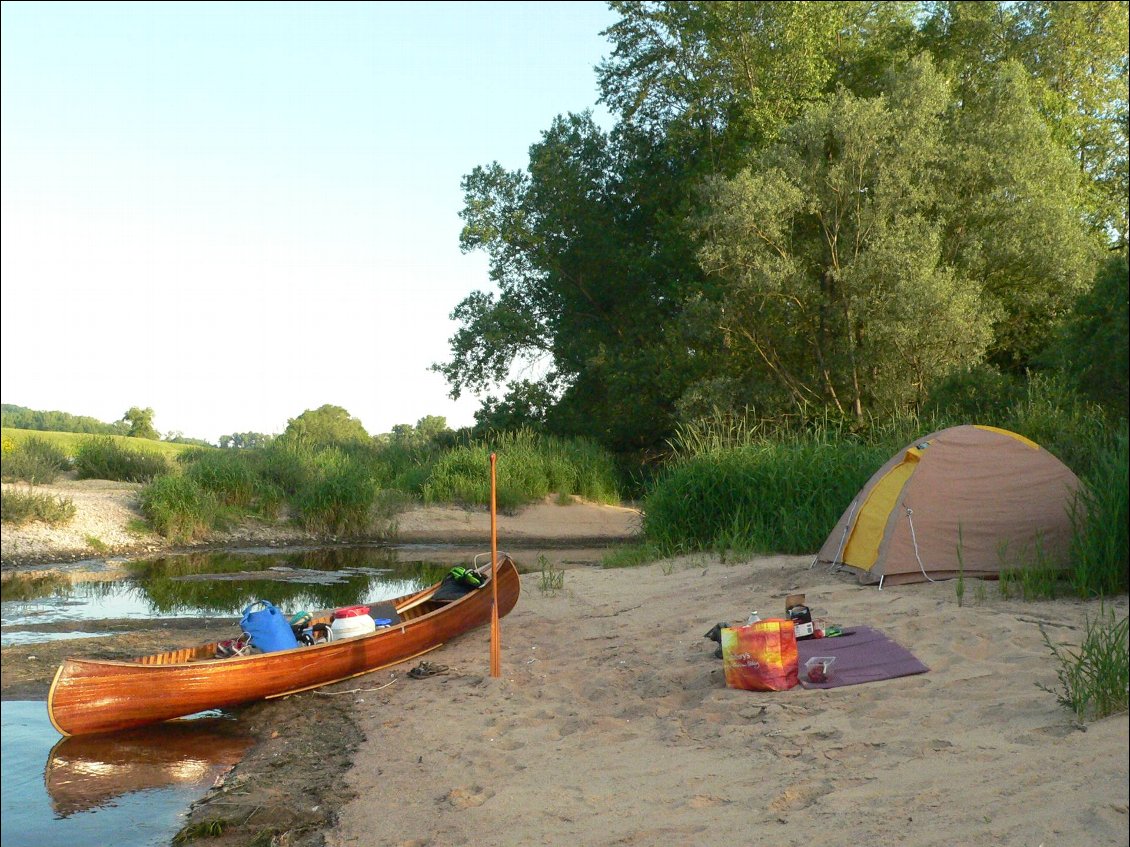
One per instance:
(1001, 499)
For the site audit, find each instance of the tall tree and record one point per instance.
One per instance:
(586, 286)
(1015, 216)
(881, 244)
(1075, 54)
(831, 246)
(967, 205)
(721, 79)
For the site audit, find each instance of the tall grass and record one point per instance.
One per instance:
(179, 509)
(781, 495)
(529, 467)
(235, 478)
(1053, 415)
(1100, 549)
(339, 497)
(1030, 574)
(104, 458)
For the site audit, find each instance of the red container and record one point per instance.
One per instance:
(350, 612)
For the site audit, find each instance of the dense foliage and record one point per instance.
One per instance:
(800, 207)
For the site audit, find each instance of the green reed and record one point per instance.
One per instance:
(552, 578)
(529, 468)
(1030, 574)
(339, 497)
(235, 477)
(758, 497)
(1095, 678)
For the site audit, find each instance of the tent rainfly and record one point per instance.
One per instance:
(969, 500)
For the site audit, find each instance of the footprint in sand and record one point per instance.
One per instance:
(799, 796)
(468, 798)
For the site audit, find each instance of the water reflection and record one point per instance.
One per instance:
(148, 818)
(87, 772)
(224, 583)
(209, 584)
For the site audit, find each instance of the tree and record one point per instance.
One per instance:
(1015, 216)
(723, 78)
(140, 423)
(526, 405)
(326, 426)
(587, 285)
(1075, 56)
(1095, 340)
(831, 247)
(884, 243)
(429, 431)
(707, 253)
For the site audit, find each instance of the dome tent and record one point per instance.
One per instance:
(971, 499)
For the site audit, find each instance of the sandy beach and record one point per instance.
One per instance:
(612, 725)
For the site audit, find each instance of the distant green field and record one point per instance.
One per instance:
(69, 442)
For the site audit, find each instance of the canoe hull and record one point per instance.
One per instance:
(91, 696)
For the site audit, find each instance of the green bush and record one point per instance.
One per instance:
(1092, 346)
(35, 461)
(179, 509)
(21, 507)
(104, 458)
(980, 395)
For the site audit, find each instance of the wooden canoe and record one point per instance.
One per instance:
(91, 695)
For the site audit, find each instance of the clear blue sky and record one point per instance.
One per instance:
(232, 213)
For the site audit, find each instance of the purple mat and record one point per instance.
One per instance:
(862, 654)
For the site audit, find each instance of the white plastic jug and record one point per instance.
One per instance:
(349, 623)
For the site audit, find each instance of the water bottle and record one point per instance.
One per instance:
(753, 618)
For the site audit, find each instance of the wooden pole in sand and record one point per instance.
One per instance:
(495, 635)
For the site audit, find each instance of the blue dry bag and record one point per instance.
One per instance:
(267, 627)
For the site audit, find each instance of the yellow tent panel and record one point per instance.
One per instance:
(862, 548)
